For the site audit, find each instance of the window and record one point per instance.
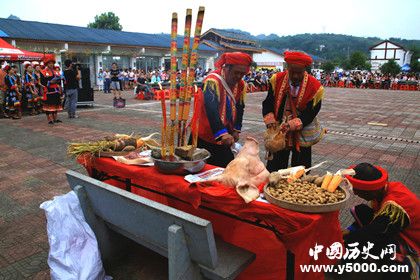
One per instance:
(122, 61)
(148, 63)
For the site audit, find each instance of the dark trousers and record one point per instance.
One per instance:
(107, 84)
(281, 159)
(220, 155)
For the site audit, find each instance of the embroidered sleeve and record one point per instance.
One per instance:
(396, 214)
(319, 95)
(240, 107)
(268, 106)
(390, 220)
(211, 104)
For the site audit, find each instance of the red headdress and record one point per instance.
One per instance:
(236, 58)
(26, 64)
(298, 58)
(49, 58)
(6, 68)
(369, 185)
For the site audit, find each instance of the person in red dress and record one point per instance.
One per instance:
(52, 92)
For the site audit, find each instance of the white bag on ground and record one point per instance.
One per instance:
(74, 252)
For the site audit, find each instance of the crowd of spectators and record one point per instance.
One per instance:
(257, 80)
(366, 79)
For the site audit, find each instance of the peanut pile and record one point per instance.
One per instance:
(303, 192)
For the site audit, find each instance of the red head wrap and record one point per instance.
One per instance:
(235, 58)
(298, 58)
(369, 185)
(6, 68)
(49, 58)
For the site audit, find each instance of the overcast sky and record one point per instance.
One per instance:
(380, 18)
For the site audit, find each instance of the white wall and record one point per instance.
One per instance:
(268, 58)
(210, 63)
(379, 57)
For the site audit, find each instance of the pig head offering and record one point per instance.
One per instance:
(245, 172)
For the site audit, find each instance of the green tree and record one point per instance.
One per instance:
(415, 65)
(345, 64)
(106, 21)
(391, 67)
(358, 60)
(328, 66)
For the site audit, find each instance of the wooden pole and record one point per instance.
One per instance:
(184, 66)
(191, 71)
(174, 34)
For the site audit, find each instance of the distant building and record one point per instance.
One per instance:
(387, 50)
(274, 58)
(225, 40)
(270, 58)
(98, 48)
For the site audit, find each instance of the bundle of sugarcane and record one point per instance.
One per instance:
(116, 143)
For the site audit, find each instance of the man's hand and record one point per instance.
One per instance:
(228, 140)
(235, 135)
(284, 127)
(272, 125)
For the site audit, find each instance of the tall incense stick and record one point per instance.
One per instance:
(163, 140)
(174, 32)
(196, 118)
(191, 71)
(184, 66)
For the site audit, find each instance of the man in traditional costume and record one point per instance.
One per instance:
(223, 106)
(293, 102)
(52, 93)
(393, 219)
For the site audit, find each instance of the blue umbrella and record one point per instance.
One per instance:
(406, 67)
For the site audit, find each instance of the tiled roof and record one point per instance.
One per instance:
(241, 47)
(231, 34)
(42, 31)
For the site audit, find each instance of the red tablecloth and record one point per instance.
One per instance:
(299, 232)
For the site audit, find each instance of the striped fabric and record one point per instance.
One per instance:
(311, 134)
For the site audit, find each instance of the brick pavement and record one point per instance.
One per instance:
(33, 159)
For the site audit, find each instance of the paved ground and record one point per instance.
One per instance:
(33, 158)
